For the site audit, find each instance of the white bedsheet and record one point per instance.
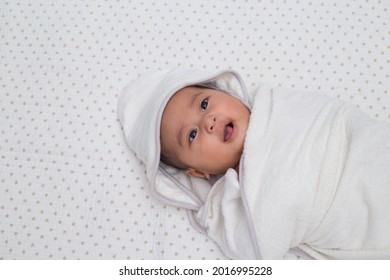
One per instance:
(69, 186)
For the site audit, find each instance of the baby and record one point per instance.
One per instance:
(284, 174)
(203, 131)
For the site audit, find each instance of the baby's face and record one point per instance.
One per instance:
(205, 129)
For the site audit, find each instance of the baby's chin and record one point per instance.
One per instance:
(233, 165)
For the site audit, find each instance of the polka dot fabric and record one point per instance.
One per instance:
(69, 186)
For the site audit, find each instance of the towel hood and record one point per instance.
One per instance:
(140, 108)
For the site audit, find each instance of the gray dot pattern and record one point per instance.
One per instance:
(69, 186)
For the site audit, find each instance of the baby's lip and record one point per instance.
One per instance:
(228, 132)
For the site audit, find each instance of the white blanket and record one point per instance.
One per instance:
(314, 179)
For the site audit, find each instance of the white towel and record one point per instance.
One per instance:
(315, 177)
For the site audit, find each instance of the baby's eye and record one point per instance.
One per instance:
(192, 135)
(204, 104)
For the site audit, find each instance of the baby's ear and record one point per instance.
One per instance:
(197, 173)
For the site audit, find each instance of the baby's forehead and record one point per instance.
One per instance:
(175, 112)
(184, 94)
(178, 101)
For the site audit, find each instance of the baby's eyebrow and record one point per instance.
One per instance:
(180, 137)
(193, 98)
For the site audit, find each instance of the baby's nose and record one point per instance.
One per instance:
(210, 122)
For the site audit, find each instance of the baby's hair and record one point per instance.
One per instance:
(170, 159)
(209, 85)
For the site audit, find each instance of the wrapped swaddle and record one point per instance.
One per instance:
(314, 178)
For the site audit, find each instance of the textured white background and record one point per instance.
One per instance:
(69, 186)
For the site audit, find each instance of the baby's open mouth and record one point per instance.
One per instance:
(228, 132)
